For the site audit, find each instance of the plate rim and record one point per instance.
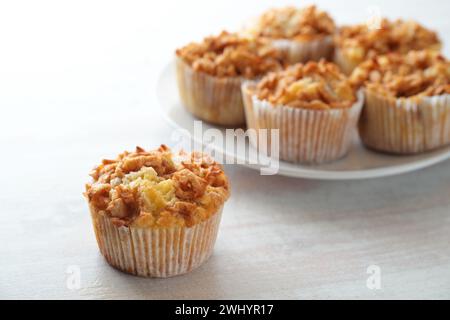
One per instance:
(313, 174)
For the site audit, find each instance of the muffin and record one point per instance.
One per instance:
(407, 105)
(301, 34)
(155, 213)
(314, 107)
(355, 44)
(210, 75)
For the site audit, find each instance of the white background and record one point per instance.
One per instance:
(77, 84)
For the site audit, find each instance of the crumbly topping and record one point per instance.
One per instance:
(293, 23)
(315, 85)
(360, 42)
(416, 74)
(229, 55)
(157, 188)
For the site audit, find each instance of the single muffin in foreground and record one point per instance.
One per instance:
(156, 213)
(302, 34)
(210, 75)
(407, 105)
(314, 107)
(355, 44)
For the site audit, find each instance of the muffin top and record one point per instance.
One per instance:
(315, 85)
(416, 74)
(229, 55)
(158, 189)
(360, 42)
(292, 23)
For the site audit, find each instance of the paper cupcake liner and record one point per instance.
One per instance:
(306, 136)
(155, 252)
(212, 99)
(344, 63)
(297, 51)
(405, 126)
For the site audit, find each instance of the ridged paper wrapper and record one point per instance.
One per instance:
(155, 252)
(405, 125)
(212, 99)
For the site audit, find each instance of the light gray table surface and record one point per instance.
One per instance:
(77, 84)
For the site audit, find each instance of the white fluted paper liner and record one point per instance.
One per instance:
(405, 126)
(344, 63)
(306, 136)
(156, 252)
(212, 99)
(304, 51)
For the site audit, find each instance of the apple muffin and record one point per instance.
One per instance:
(156, 213)
(407, 105)
(355, 44)
(210, 74)
(302, 34)
(314, 107)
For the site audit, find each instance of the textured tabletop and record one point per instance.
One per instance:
(78, 85)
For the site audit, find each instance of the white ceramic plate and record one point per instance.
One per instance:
(360, 163)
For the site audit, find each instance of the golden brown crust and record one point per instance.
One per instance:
(416, 74)
(294, 24)
(228, 55)
(359, 42)
(315, 85)
(157, 188)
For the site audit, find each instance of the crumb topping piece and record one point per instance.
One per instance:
(293, 23)
(416, 74)
(360, 42)
(157, 188)
(315, 85)
(229, 55)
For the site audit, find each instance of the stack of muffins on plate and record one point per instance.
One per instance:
(293, 70)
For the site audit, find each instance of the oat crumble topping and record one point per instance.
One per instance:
(229, 55)
(360, 43)
(315, 85)
(416, 74)
(293, 23)
(158, 188)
